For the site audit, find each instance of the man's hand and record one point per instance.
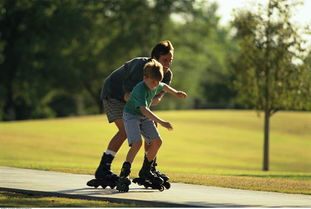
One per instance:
(127, 96)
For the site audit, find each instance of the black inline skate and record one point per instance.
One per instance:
(149, 179)
(104, 176)
(124, 181)
(165, 178)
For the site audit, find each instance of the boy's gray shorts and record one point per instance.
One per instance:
(136, 126)
(113, 109)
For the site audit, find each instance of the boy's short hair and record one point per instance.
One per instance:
(154, 70)
(163, 47)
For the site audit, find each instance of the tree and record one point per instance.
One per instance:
(122, 30)
(270, 74)
(200, 66)
(37, 39)
(55, 54)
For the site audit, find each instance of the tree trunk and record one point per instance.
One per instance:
(95, 96)
(9, 112)
(266, 141)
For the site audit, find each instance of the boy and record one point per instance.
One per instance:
(139, 119)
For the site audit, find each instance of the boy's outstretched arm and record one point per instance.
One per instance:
(173, 91)
(149, 114)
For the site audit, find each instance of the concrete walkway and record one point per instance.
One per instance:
(180, 195)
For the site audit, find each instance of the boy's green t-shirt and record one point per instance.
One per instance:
(141, 96)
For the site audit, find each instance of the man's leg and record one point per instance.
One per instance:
(115, 143)
(118, 139)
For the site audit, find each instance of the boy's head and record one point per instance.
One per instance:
(153, 73)
(163, 52)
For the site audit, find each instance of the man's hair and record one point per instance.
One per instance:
(162, 48)
(154, 70)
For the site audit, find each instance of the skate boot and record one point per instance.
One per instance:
(147, 178)
(104, 167)
(165, 178)
(124, 181)
(103, 175)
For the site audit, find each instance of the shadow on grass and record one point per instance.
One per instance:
(13, 199)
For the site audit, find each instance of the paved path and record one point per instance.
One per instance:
(74, 185)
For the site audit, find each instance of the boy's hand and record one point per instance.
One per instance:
(167, 125)
(181, 94)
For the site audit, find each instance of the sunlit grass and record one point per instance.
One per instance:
(202, 144)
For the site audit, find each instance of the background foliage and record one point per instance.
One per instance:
(55, 54)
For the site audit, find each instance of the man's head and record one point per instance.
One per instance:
(163, 52)
(153, 73)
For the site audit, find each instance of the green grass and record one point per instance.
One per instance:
(12, 199)
(211, 147)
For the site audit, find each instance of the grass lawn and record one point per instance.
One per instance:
(210, 147)
(12, 199)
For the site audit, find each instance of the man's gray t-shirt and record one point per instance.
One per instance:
(124, 79)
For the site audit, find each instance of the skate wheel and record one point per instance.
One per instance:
(123, 185)
(136, 181)
(161, 189)
(123, 188)
(167, 185)
(104, 186)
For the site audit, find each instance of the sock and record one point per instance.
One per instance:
(110, 152)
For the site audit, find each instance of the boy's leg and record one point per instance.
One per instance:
(153, 149)
(156, 172)
(145, 171)
(124, 181)
(125, 170)
(152, 138)
(132, 126)
(135, 146)
(154, 164)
